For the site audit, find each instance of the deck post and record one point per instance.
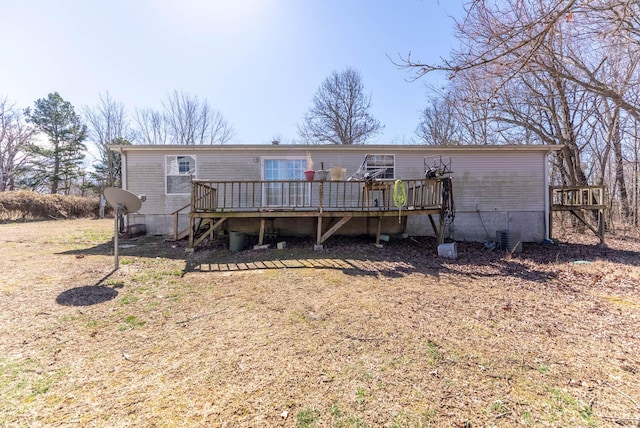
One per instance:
(319, 231)
(192, 232)
(550, 213)
(175, 226)
(441, 231)
(261, 235)
(601, 228)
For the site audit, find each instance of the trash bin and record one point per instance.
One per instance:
(236, 241)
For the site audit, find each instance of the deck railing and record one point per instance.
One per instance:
(577, 196)
(578, 200)
(287, 195)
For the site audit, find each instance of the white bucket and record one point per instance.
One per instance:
(337, 173)
(448, 250)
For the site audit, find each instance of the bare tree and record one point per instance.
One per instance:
(438, 125)
(150, 127)
(108, 124)
(512, 37)
(218, 129)
(542, 66)
(472, 108)
(184, 120)
(15, 139)
(190, 121)
(622, 70)
(340, 112)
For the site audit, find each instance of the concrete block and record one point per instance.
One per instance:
(379, 245)
(282, 245)
(261, 247)
(318, 247)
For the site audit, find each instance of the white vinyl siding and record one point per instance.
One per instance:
(494, 188)
(509, 182)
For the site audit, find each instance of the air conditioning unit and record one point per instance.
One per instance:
(509, 240)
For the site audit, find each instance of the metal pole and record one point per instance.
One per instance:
(115, 236)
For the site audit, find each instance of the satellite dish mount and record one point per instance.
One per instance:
(123, 202)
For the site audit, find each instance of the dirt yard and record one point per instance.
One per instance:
(354, 336)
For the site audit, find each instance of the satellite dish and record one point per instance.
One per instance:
(123, 202)
(122, 199)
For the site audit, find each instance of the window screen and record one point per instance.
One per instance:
(179, 172)
(376, 162)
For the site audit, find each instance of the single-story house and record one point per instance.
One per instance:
(494, 187)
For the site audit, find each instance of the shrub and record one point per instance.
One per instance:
(26, 205)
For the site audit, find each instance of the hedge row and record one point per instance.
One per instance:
(27, 205)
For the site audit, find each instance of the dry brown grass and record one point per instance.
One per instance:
(351, 337)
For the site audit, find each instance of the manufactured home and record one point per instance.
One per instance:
(461, 193)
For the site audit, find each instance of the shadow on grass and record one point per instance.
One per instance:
(89, 294)
(349, 266)
(145, 246)
(86, 296)
(357, 256)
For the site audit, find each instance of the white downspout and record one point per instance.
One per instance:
(547, 179)
(123, 172)
(123, 168)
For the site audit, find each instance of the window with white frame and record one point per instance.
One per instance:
(377, 162)
(288, 190)
(179, 171)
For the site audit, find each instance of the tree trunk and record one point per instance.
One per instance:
(568, 136)
(55, 178)
(617, 150)
(571, 157)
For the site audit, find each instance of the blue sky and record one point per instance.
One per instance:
(259, 62)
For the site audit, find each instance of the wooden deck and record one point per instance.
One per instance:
(331, 203)
(578, 200)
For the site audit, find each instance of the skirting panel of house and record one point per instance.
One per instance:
(481, 226)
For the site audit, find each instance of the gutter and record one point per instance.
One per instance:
(547, 202)
(358, 148)
(123, 163)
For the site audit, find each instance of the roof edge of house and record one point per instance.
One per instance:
(333, 147)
